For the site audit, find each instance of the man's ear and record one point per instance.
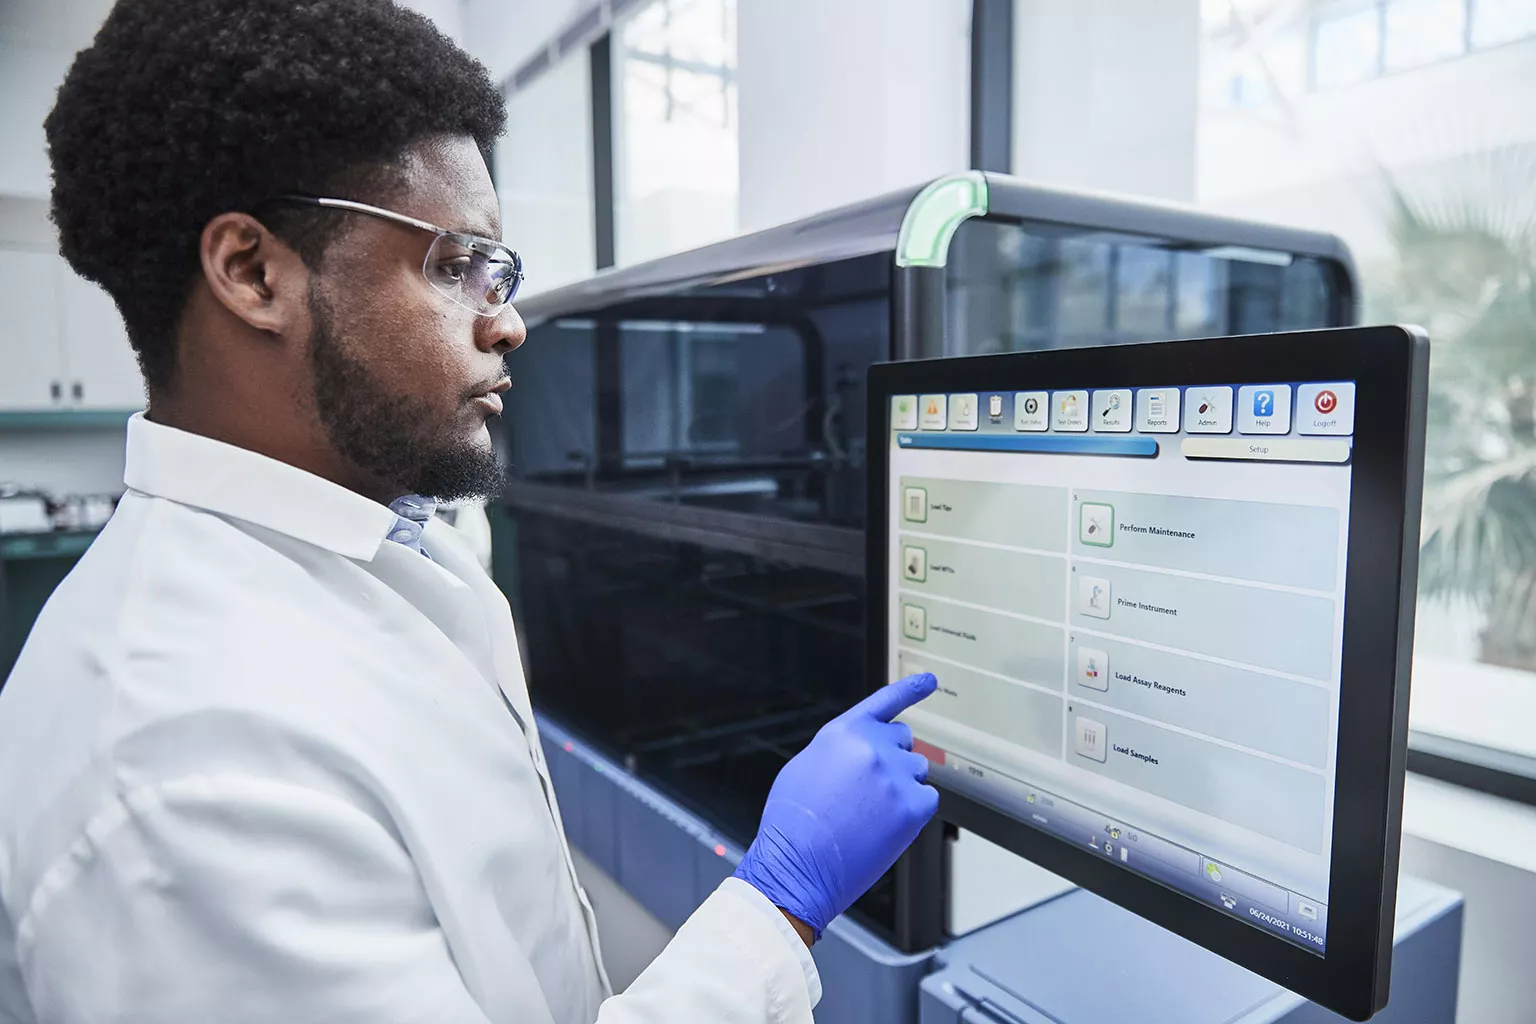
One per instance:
(252, 274)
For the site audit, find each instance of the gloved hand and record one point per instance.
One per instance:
(844, 809)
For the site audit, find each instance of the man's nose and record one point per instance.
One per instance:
(501, 333)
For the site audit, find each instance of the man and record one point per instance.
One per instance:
(268, 754)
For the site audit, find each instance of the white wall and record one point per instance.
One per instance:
(29, 77)
(446, 14)
(38, 41)
(544, 177)
(673, 219)
(502, 34)
(1105, 94)
(845, 99)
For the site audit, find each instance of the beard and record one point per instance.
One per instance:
(399, 440)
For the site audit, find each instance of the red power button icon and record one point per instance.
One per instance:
(1326, 402)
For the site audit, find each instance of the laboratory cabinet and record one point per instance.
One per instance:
(64, 344)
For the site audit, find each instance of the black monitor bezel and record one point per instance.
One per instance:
(1390, 366)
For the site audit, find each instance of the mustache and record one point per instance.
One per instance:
(500, 382)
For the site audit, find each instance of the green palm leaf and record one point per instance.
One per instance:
(1464, 265)
(1479, 528)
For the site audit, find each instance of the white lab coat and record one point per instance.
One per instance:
(259, 764)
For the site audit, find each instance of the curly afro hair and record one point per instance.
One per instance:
(184, 109)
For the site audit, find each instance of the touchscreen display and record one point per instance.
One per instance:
(1133, 599)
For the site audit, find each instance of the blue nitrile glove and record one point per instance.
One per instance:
(844, 809)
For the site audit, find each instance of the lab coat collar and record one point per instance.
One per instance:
(190, 469)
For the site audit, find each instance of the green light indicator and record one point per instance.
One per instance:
(936, 214)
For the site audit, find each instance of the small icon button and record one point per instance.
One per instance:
(1031, 410)
(1091, 741)
(1208, 411)
(995, 406)
(914, 504)
(904, 412)
(1096, 525)
(914, 622)
(1157, 410)
(934, 409)
(962, 412)
(1325, 408)
(1069, 411)
(1112, 411)
(914, 564)
(1093, 593)
(1092, 669)
(1264, 410)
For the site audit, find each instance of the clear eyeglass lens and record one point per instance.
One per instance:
(476, 275)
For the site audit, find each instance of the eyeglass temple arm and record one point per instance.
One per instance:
(372, 211)
(398, 218)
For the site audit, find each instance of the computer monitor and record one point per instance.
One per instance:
(1167, 590)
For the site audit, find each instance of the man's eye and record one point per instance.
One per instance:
(453, 270)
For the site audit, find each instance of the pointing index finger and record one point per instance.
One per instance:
(889, 701)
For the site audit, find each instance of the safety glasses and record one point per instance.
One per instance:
(480, 274)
